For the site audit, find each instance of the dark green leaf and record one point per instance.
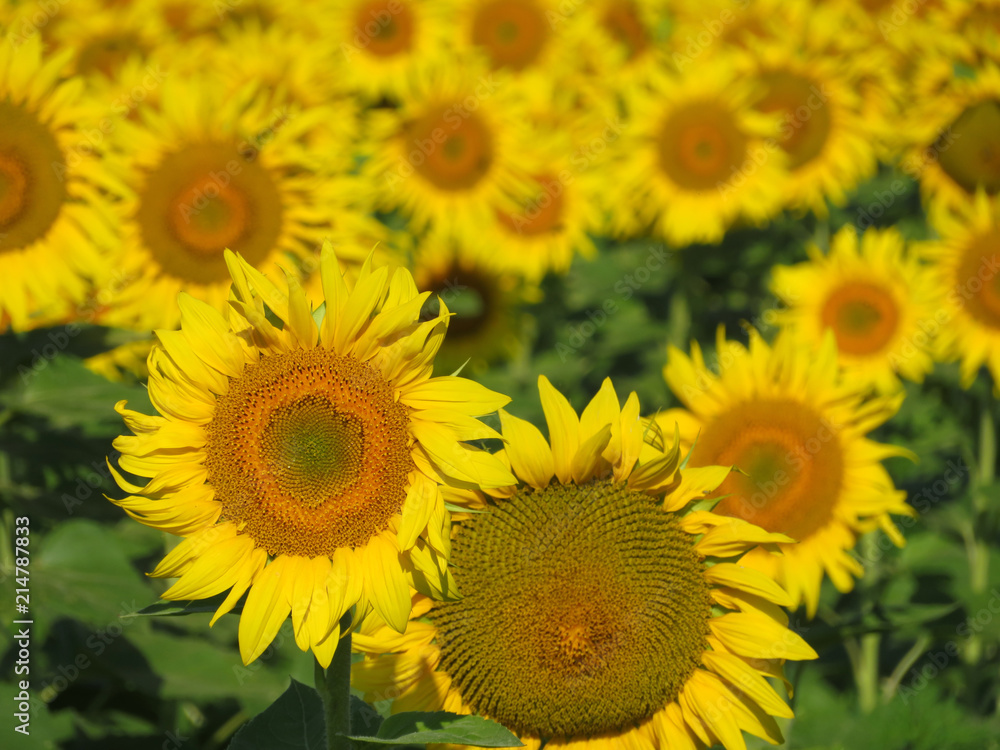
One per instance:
(164, 608)
(422, 728)
(295, 720)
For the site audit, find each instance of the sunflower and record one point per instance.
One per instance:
(209, 171)
(954, 139)
(302, 462)
(484, 298)
(696, 157)
(104, 38)
(598, 606)
(450, 154)
(965, 264)
(829, 146)
(624, 41)
(796, 431)
(376, 46)
(55, 225)
(879, 301)
(552, 224)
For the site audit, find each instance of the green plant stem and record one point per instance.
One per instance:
(909, 659)
(334, 686)
(865, 661)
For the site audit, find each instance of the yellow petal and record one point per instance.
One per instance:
(587, 461)
(759, 637)
(564, 429)
(696, 483)
(528, 451)
(385, 582)
(422, 495)
(742, 676)
(449, 392)
(267, 607)
(749, 580)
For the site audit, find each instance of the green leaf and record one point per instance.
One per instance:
(69, 395)
(165, 608)
(294, 721)
(422, 728)
(364, 718)
(80, 570)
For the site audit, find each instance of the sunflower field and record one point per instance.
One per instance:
(588, 374)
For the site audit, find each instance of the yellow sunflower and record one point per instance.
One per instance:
(965, 264)
(125, 363)
(56, 229)
(954, 139)
(449, 156)
(210, 170)
(598, 607)
(623, 42)
(796, 431)
(552, 223)
(696, 157)
(303, 462)
(376, 46)
(879, 301)
(104, 38)
(829, 146)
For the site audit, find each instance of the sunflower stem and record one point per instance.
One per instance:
(334, 686)
(866, 673)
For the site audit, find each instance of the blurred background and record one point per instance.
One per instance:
(583, 183)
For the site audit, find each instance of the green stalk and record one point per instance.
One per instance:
(865, 661)
(977, 550)
(334, 686)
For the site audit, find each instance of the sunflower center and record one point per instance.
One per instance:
(469, 295)
(513, 32)
(978, 282)
(543, 213)
(309, 452)
(584, 610)
(864, 317)
(202, 199)
(791, 460)
(969, 151)
(805, 114)
(700, 146)
(452, 154)
(622, 21)
(386, 26)
(32, 178)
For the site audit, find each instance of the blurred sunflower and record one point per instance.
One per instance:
(829, 147)
(302, 462)
(449, 156)
(796, 431)
(125, 363)
(551, 224)
(55, 224)
(954, 139)
(696, 157)
(210, 171)
(486, 326)
(621, 623)
(965, 265)
(624, 41)
(879, 301)
(104, 37)
(377, 45)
